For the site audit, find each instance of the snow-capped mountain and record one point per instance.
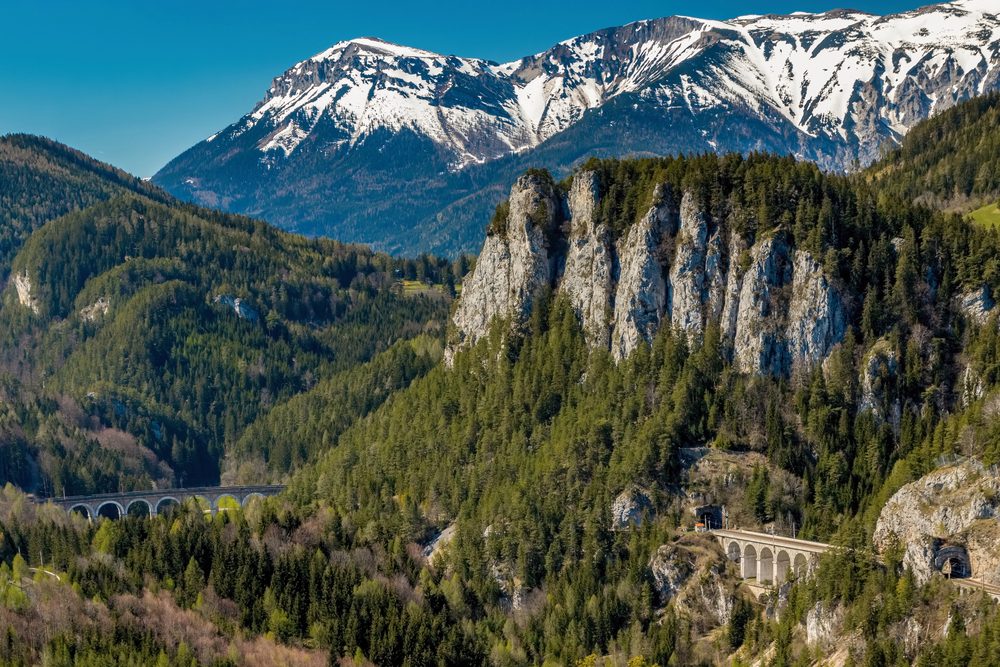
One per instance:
(342, 139)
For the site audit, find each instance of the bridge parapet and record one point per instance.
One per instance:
(117, 505)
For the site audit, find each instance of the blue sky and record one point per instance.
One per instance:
(135, 82)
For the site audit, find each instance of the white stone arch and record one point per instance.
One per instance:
(251, 496)
(765, 568)
(110, 503)
(161, 508)
(749, 562)
(800, 565)
(149, 506)
(733, 551)
(88, 511)
(782, 567)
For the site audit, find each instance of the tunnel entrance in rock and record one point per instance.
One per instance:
(953, 562)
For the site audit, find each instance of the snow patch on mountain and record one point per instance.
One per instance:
(849, 77)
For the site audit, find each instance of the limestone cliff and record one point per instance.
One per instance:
(758, 342)
(514, 263)
(878, 384)
(641, 294)
(25, 294)
(953, 508)
(676, 264)
(686, 290)
(816, 318)
(590, 272)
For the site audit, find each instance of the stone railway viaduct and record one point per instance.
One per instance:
(769, 559)
(151, 503)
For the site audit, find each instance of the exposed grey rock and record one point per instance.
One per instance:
(942, 506)
(242, 309)
(512, 267)
(589, 276)
(670, 569)
(738, 251)
(640, 299)
(759, 345)
(775, 306)
(95, 311)
(973, 387)
(816, 318)
(878, 378)
(977, 304)
(628, 508)
(686, 289)
(22, 283)
(715, 278)
(436, 547)
(823, 624)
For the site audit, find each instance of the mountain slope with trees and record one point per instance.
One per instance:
(143, 335)
(531, 502)
(43, 179)
(951, 161)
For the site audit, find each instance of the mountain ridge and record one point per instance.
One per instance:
(371, 141)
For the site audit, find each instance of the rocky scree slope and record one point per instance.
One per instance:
(678, 266)
(341, 139)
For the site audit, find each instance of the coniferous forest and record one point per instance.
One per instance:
(465, 513)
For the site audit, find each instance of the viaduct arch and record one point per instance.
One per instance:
(118, 505)
(769, 559)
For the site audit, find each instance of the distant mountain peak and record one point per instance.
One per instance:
(834, 87)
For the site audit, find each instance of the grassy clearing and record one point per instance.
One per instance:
(417, 287)
(988, 216)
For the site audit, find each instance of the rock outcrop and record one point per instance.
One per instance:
(629, 507)
(674, 266)
(590, 272)
(686, 290)
(823, 624)
(878, 391)
(977, 304)
(694, 574)
(954, 506)
(242, 309)
(95, 311)
(758, 342)
(671, 567)
(22, 284)
(816, 317)
(641, 295)
(514, 263)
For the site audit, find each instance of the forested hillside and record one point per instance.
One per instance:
(141, 336)
(43, 179)
(951, 161)
(530, 502)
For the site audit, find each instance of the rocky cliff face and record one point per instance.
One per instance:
(641, 294)
(591, 266)
(954, 508)
(878, 391)
(513, 265)
(25, 295)
(675, 266)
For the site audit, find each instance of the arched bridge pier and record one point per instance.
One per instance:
(770, 560)
(151, 503)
